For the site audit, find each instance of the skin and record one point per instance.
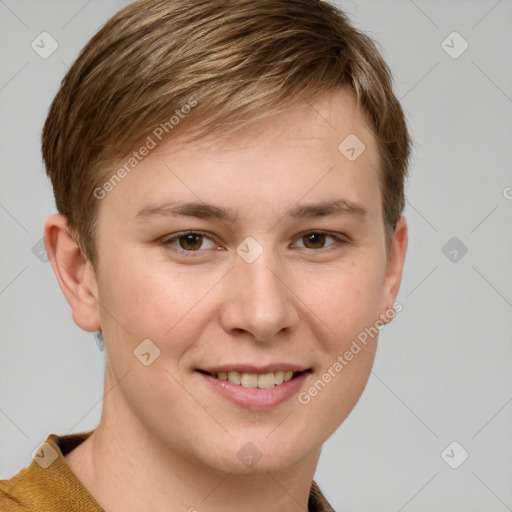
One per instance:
(167, 440)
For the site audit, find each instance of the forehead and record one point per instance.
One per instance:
(327, 118)
(305, 152)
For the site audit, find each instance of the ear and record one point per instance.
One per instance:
(74, 273)
(394, 269)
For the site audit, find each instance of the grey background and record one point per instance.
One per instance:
(443, 367)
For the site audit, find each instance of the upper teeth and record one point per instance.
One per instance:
(252, 380)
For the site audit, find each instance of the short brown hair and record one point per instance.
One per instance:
(237, 60)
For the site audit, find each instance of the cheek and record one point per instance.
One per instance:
(154, 300)
(350, 308)
(348, 300)
(354, 301)
(147, 297)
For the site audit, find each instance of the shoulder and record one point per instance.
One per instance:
(317, 501)
(14, 493)
(48, 484)
(29, 488)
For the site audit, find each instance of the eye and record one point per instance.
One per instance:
(189, 242)
(316, 239)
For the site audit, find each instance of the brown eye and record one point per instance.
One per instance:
(314, 240)
(190, 242)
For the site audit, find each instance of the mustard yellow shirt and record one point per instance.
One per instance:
(49, 485)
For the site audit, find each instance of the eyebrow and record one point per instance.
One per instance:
(201, 210)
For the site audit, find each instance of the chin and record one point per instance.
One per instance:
(263, 452)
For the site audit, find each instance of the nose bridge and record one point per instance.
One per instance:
(261, 303)
(261, 278)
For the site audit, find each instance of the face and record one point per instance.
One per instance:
(278, 266)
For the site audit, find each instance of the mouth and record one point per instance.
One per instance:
(266, 380)
(255, 388)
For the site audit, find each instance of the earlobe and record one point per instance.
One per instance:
(74, 273)
(394, 269)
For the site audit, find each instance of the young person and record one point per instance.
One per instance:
(229, 178)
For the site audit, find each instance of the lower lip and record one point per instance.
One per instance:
(256, 398)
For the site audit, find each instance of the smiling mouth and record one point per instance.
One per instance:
(253, 380)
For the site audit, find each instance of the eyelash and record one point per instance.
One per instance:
(339, 241)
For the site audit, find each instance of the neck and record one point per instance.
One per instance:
(126, 468)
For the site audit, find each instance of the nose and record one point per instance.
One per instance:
(259, 301)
